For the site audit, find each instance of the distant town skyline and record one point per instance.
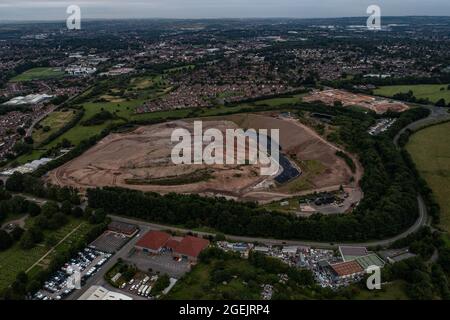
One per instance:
(197, 9)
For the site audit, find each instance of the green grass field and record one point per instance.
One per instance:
(431, 153)
(433, 92)
(311, 169)
(280, 101)
(55, 121)
(293, 205)
(15, 259)
(392, 291)
(38, 74)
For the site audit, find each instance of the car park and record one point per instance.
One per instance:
(58, 286)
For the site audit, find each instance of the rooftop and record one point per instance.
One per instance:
(122, 227)
(370, 260)
(191, 246)
(153, 240)
(350, 253)
(100, 293)
(347, 268)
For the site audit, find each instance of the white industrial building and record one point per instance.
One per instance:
(100, 293)
(29, 99)
(80, 70)
(27, 168)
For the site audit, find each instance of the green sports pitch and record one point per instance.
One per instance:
(39, 74)
(433, 92)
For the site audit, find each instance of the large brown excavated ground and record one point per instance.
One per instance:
(130, 159)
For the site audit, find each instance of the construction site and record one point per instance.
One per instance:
(141, 160)
(347, 99)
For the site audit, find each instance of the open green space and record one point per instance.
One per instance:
(391, 291)
(289, 205)
(16, 259)
(39, 74)
(433, 92)
(182, 68)
(430, 151)
(51, 124)
(273, 102)
(310, 170)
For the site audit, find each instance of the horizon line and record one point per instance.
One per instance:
(93, 19)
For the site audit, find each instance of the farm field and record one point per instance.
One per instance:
(433, 92)
(16, 259)
(430, 151)
(280, 101)
(38, 74)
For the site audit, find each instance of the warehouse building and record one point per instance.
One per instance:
(346, 270)
(100, 293)
(187, 248)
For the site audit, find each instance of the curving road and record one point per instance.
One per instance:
(417, 225)
(436, 116)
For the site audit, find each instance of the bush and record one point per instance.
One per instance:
(162, 283)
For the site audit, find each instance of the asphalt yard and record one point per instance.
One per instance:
(163, 263)
(110, 242)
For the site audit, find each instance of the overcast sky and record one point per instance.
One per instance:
(56, 9)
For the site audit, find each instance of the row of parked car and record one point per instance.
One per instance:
(59, 285)
(141, 287)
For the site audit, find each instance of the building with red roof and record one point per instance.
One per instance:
(347, 269)
(190, 247)
(153, 241)
(173, 243)
(187, 248)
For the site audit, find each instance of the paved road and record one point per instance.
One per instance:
(437, 115)
(39, 119)
(423, 220)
